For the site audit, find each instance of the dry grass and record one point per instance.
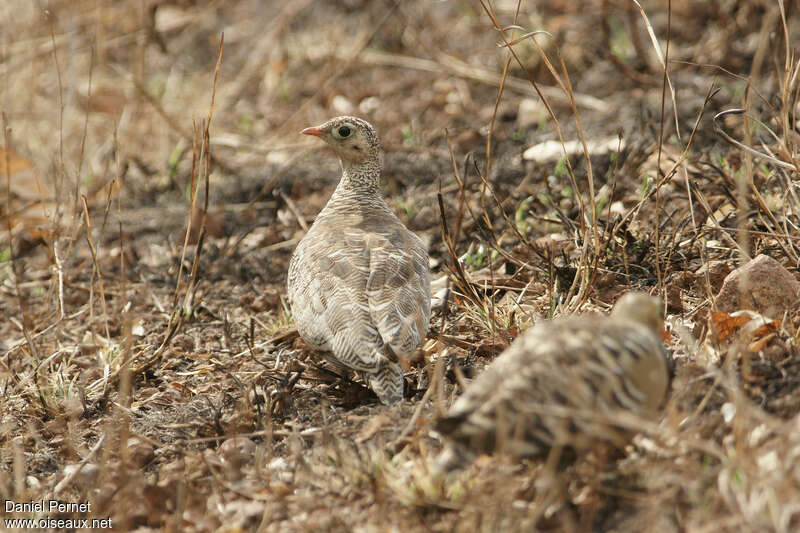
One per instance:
(157, 188)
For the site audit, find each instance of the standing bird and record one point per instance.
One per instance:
(567, 383)
(359, 283)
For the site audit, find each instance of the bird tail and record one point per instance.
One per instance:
(388, 383)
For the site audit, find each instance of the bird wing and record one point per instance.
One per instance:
(354, 292)
(398, 289)
(327, 276)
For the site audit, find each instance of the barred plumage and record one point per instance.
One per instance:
(567, 382)
(359, 281)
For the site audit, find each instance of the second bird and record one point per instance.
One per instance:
(571, 383)
(359, 280)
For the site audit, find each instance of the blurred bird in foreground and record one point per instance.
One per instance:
(570, 383)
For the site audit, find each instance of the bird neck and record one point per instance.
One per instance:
(362, 178)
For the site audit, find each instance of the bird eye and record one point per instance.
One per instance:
(342, 132)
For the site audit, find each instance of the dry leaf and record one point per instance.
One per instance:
(182, 387)
(767, 329)
(15, 162)
(757, 346)
(724, 324)
(31, 204)
(763, 334)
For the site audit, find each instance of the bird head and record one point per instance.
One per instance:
(354, 140)
(643, 308)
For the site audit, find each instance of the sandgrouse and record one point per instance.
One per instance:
(359, 280)
(561, 384)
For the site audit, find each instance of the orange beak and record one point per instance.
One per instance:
(316, 132)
